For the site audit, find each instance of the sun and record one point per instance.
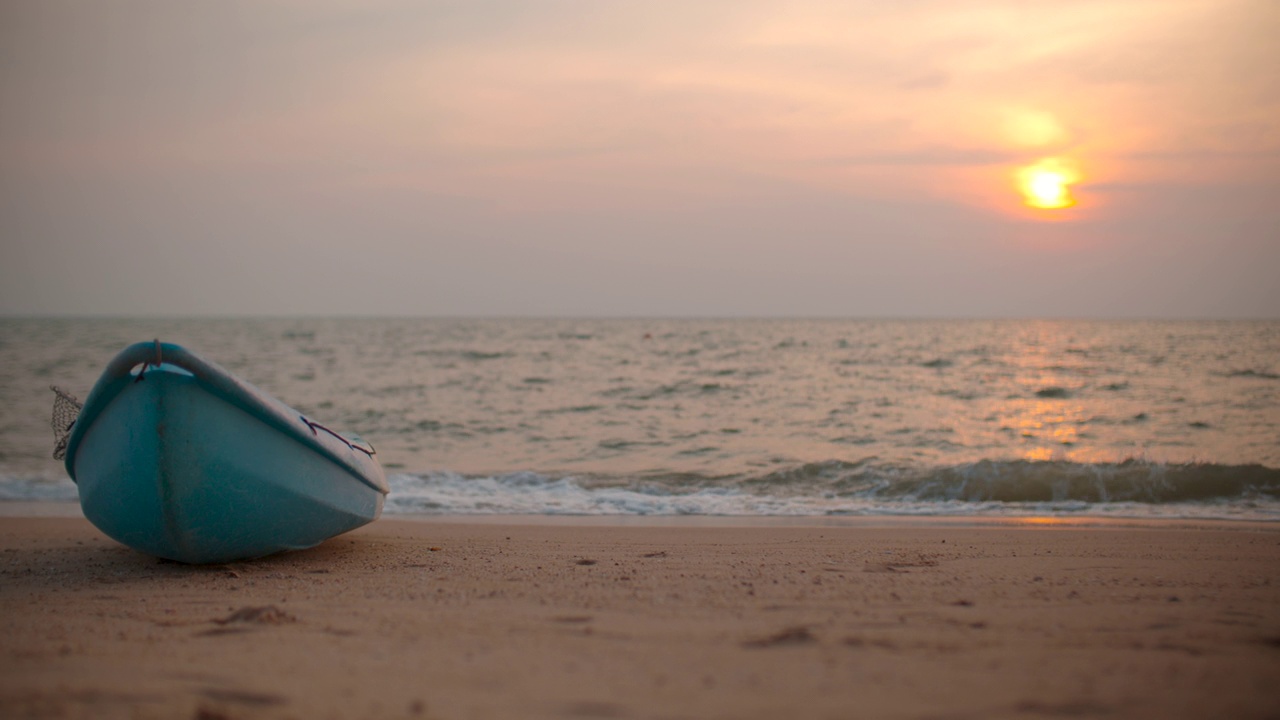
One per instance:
(1047, 189)
(1046, 185)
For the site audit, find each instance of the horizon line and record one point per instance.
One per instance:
(635, 317)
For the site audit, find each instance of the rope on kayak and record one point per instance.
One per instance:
(66, 408)
(142, 367)
(317, 426)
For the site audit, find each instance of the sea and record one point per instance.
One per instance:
(747, 418)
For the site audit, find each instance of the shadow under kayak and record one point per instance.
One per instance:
(178, 458)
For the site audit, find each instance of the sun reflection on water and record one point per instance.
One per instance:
(1045, 415)
(1044, 520)
(1052, 427)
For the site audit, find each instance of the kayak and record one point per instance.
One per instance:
(178, 458)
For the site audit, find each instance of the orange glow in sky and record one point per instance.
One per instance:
(806, 158)
(1046, 185)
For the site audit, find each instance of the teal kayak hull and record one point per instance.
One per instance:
(177, 458)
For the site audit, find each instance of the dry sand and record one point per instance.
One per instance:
(517, 619)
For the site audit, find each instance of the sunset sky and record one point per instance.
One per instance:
(598, 157)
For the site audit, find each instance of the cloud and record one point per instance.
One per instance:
(740, 138)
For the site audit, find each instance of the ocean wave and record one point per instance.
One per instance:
(1030, 481)
(1253, 373)
(1131, 488)
(1134, 488)
(36, 488)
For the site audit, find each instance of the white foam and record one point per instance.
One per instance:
(527, 493)
(37, 488)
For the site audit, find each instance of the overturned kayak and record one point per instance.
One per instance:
(178, 458)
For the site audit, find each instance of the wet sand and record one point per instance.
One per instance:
(517, 619)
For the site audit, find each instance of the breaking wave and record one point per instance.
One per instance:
(1134, 488)
(1131, 489)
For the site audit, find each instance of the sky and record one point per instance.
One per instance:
(932, 158)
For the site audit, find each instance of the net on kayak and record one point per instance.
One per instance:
(66, 408)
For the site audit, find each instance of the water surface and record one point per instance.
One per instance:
(738, 417)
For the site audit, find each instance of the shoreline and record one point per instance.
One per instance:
(71, 509)
(454, 618)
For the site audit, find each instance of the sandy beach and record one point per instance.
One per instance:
(518, 618)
